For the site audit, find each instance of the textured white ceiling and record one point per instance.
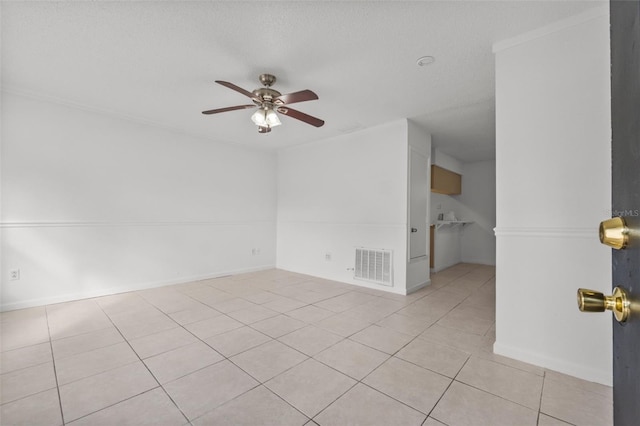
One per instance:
(157, 62)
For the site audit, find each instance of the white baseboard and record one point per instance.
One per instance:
(418, 287)
(123, 289)
(562, 366)
(487, 262)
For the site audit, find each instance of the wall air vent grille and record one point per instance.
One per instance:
(374, 265)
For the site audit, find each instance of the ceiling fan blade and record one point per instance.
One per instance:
(233, 108)
(292, 98)
(238, 89)
(301, 116)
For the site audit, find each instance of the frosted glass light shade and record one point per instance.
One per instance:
(265, 118)
(272, 118)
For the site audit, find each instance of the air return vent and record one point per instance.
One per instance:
(374, 265)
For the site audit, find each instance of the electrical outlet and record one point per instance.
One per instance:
(14, 274)
(327, 257)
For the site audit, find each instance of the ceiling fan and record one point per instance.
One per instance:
(269, 101)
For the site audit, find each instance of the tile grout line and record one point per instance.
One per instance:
(345, 338)
(249, 325)
(392, 356)
(145, 366)
(447, 390)
(544, 375)
(225, 358)
(55, 372)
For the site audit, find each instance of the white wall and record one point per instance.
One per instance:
(341, 193)
(94, 204)
(553, 187)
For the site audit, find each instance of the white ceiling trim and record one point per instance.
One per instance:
(563, 24)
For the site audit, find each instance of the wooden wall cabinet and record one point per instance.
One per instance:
(445, 181)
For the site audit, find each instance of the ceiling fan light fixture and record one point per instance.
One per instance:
(269, 103)
(259, 118)
(265, 117)
(272, 118)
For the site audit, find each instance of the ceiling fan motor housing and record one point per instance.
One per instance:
(267, 79)
(266, 93)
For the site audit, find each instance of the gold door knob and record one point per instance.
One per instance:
(594, 301)
(614, 233)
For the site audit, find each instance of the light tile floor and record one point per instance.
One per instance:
(280, 348)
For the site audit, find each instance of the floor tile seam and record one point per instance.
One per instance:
(93, 300)
(244, 393)
(219, 405)
(3, 403)
(82, 334)
(379, 350)
(420, 318)
(193, 322)
(276, 313)
(25, 346)
(351, 377)
(439, 421)
(149, 371)
(31, 395)
(396, 399)
(310, 356)
(458, 329)
(24, 368)
(540, 400)
(422, 367)
(420, 336)
(556, 418)
(266, 291)
(238, 353)
(198, 339)
(343, 336)
(578, 387)
(397, 311)
(114, 404)
(497, 396)
(492, 326)
(55, 371)
(453, 380)
(4, 321)
(465, 321)
(476, 355)
(57, 338)
(307, 357)
(334, 401)
(178, 325)
(427, 339)
(162, 352)
(99, 372)
(274, 338)
(88, 351)
(185, 295)
(233, 310)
